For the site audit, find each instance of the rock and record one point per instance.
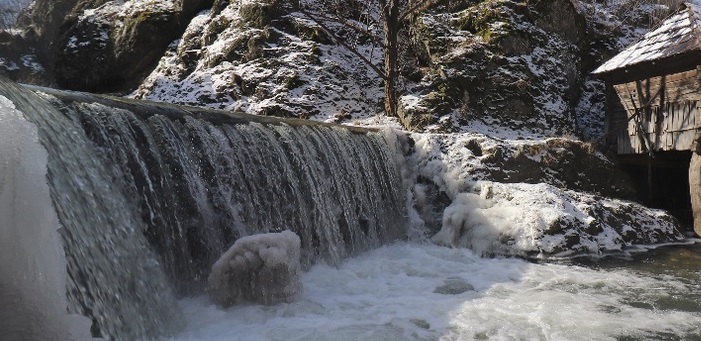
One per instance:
(505, 63)
(189, 8)
(259, 13)
(421, 323)
(276, 63)
(44, 20)
(536, 220)
(111, 47)
(114, 46)
(562, 162)
(263, 268)
(453, 286)
(19, 61)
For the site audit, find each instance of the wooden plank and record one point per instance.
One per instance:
(669, 127)
(684, 140)
(677, 88)
(631, 101)
(672, 116)
(622, 145)
(632, 122)
(669, 112)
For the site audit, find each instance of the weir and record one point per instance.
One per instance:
(149, 195)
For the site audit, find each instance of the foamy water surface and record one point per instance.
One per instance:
(391, 294)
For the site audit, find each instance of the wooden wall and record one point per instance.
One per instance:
(659, 112)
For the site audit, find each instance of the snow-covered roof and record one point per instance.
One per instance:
(679, 34)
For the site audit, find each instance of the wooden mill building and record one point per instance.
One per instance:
(653, 99)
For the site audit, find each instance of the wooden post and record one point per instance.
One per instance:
(650, 196)
(695, 182)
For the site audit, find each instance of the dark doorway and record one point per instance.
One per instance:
(667, 187)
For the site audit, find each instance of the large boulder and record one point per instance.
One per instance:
(539, 220)
(18, 60)
(100, 45)
(263, 57)
(263, 268)
(503, 62)
(534, 198)
(113, 46)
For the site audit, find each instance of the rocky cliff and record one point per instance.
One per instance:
(502, 71)
(518, 64)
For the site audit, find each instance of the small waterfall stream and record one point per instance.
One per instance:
(149, 195)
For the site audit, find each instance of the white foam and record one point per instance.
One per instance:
(32, 263)
(388, 294)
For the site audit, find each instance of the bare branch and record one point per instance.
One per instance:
(357, 53)
(348, 24)
(416, 6)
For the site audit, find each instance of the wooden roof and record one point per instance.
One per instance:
(679, 34)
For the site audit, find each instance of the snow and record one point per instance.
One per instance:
(522, 219)
(8, 65)
(516, 219)
(297, 76)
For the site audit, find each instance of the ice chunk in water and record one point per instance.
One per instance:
(262, 268)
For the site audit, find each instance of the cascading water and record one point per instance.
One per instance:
(148, 197)
(32, 292)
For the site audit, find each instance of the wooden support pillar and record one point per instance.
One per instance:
(695, 182)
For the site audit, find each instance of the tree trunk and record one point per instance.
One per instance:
(390, 19)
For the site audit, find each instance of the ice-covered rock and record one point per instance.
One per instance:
(535, 220)
(262, 268)
(528, 198)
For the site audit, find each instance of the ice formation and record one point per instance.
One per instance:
(540, 219)
(32, 263)
(262, 268)
(514, 218)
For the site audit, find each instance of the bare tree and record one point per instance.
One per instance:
(393, 16)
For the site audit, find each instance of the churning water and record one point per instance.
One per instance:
(116, 209)
(393, 293)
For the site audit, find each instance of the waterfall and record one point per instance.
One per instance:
(149, 195)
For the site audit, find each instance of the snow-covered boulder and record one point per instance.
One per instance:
(262, 268)
(535, 220)
(526, 198)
